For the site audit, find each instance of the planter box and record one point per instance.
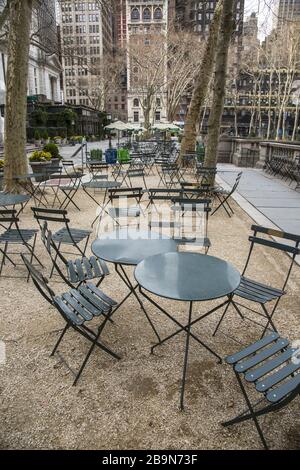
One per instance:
(40, 167)
(55, 164)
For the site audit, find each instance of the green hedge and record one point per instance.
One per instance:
(52, 131)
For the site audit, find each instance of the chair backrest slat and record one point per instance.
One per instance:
(275, 233)
(51, 215)
(279, 246)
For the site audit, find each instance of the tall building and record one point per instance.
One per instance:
(147, 24)
(196, 17)
(119, 24)
(44, 64)
(86, 43)
(288, 10)
(117, 101)
(44, 67)
(250, 39)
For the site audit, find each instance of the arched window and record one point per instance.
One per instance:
(135, 14)
(158, 14)
(135, 102)
(146, 14)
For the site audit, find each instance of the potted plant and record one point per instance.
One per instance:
(40, 162)
(45, 136)
(96, 155)
(57, 139)
(37, 137)
(55, 157)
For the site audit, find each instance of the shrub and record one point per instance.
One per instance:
(53, 149)
(40, 156)
(37, 135)
(45, 135)
(76, 138)
(96, 154)
(1, 164)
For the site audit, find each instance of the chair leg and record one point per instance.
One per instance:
(252, 414)
(269, 317)
(95, 343)
(222, 317)
(59, 339)
(55, 258)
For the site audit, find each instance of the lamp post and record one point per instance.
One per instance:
(109, 118)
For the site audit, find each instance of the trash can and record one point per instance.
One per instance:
(123, 156)
(200, 152)
(111, 155)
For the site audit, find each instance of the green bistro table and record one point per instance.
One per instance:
(128, 248)
(10, 199)
(187, 277)
(99, 184)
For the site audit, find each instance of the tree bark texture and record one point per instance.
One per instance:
(188, 143)
(215, 116)
(15, 159)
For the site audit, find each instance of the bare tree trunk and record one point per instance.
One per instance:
(201, 85)
(214, 122)
(296, 120)
(15, 160)
(270, 104)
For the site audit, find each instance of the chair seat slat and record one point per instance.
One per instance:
(83, 312)
(234, 358)
(261, 356)
(72, 272)
(101, 294)
(95, 266)
(283, 390)
(259, 284)
(94, 299)
(67, 311)
(259, 372)
(94, 310)
(276, 377)
(78, 265)
(88, 270)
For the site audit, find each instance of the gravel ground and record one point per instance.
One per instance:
(134, 403)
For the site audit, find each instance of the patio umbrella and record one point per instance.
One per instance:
(166, 126)
(117, 126)
(135, 127)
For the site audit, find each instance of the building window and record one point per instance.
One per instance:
(146, 14)
(135, 102)
(136, 116)
(135, 14)
(158, 14)
(157, 116)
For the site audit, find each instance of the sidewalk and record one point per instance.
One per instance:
(265, 198)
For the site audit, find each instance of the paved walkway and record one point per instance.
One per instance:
(264, 196)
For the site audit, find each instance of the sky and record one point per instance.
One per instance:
(266, 11)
